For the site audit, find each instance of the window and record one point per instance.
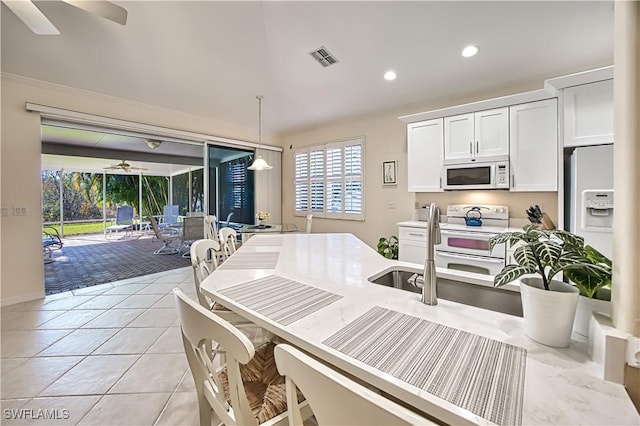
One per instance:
(329, 180)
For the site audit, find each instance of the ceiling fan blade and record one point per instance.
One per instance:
(106, 9)
(32, 17)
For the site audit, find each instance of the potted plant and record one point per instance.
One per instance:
(388, 247)
(549, 305)
(595, 290)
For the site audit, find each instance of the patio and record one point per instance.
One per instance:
(89, 260)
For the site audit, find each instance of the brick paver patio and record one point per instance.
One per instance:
(90, 260)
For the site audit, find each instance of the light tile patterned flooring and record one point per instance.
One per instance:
(110, 355)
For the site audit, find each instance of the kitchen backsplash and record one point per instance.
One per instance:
(518, 202)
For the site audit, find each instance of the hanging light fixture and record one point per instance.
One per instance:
(259, 163)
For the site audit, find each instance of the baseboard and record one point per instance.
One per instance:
(22, 298)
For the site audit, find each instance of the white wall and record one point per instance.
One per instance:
(386, 140)
(22, 274)
(268, 186)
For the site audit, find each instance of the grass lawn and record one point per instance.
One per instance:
(81, 228)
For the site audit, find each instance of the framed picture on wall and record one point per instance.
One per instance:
(389, 172)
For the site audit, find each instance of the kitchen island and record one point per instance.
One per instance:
(549, 385)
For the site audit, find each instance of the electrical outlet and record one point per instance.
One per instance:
(19, 211)
(4, 211)
(392, 205)
(416, 205)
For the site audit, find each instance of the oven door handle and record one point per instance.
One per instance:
(466, 233)
(465, 256)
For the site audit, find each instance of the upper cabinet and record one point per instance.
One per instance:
(479, 136)
(424, 151)
(533, 146)
(588, 114)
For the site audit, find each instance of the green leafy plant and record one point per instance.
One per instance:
(549, 252)
(388, 247)
(589, 283)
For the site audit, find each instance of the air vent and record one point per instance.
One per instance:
(323, 56)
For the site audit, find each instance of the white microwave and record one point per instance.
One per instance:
(489, 175)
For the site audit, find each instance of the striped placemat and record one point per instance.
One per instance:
(476, 373)
(280, 299)
(264, 240)
(251, 260)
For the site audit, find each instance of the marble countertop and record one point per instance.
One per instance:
(560, 385)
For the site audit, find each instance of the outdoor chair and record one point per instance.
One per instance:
(192, 230)
(166, 238)
(227, 224)
(169, 218)
(50, 242)
(124, 222)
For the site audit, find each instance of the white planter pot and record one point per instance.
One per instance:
(548, 314)
(584, 312)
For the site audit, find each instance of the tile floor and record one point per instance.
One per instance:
(105, 355)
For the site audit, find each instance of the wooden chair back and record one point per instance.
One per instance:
(334, 398)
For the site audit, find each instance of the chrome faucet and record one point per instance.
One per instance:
(429, 294)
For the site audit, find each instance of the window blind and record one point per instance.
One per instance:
(329, 180)
(236, 185)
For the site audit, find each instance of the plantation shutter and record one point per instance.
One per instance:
(329, 180)
(317, 180)
(302, 181)
(353, 200)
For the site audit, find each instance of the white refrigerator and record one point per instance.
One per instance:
(591, 196)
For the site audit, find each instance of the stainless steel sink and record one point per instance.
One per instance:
(494, 299)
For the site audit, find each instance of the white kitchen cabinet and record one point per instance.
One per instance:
(588, 114)
(459, 137)
(492, 133)
(533, 146)
(412, 244)
(424, 152)
(479, 136)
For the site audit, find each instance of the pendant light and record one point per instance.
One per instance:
(259, 163)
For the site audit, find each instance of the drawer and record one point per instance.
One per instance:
(412, 251)
(414, 234)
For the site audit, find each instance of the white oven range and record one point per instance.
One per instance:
(465, 247)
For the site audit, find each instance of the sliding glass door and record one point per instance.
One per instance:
(231, 186)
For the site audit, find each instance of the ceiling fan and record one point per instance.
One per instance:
(33, 18)
(123, 165)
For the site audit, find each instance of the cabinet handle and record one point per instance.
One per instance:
(470, 148)
(513, 181)
(477, 148)
(413, 234)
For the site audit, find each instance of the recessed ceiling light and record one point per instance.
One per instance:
(390, 75)
(470, 51)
